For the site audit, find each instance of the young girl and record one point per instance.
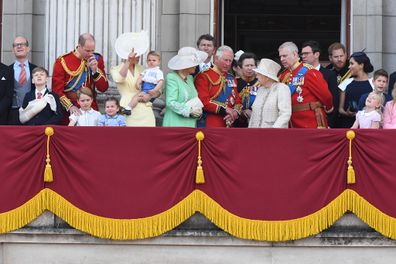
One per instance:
(370, 116)
(390, 111)
(112, 117)
(88, 116)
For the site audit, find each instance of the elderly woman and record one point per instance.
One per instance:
(272, 106)
(183, 106)
(360, 66)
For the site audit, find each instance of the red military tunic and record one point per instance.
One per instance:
(214, 86)
(310, 100)
(71, 73)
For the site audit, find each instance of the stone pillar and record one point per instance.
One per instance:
(367, 29)
(17, 20)
(182, 22)
(389, 36)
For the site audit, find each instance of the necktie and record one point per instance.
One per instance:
(22, 76)
(39, 95)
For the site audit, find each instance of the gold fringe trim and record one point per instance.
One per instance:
(273, 230)
(121, 229)
(22, 215)
(125, 229)
(381, 222)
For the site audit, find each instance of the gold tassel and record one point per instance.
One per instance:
(351, 179)
(199, 176)
(48, 176)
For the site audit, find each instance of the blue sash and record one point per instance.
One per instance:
(298, 80)
(228, 88)
(78, 80)
(222, 98)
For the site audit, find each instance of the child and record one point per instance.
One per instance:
(40, 106)
(150, 80)
(88, 116)
(370, 116)
(380, 82)
(390, 111)
(112, 117)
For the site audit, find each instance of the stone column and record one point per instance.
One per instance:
(367, 29)
(389, 36)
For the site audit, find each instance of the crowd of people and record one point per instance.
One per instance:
(208, 86)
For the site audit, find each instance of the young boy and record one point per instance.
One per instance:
(380, 82)
(88, 116)
(150, 81)
(40, 106)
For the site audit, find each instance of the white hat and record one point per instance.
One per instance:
(187, 57)
(268, 68)
(238, 55)
(139, 41)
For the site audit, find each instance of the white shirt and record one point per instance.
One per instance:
(87, 118)
(42, 92)
(152, 75)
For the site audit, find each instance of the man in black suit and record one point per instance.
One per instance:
(205, 43)
(310, 53)
(6, 90)
(21, 71)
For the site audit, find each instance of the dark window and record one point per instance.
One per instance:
(261, 26)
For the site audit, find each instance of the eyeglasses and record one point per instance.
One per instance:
(303, 54)
(23, 44)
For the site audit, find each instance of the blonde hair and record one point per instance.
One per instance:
(154, 54)
(381, 100)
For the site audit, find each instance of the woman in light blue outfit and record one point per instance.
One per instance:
(182, 104)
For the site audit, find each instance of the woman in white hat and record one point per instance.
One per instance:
(183, 106)
(272, 106)
(129, 46)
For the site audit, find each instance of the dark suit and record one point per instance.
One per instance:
(392, 80)
(13, 116)
(46, 116)
(6, 90)
(331, 79)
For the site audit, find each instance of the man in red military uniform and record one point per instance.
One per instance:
(218, 92)
(310, 95)
(78, 68)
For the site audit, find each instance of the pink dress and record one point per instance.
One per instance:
(366, 118)
(390, 115)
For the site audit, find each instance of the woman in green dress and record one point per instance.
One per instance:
(182, 104)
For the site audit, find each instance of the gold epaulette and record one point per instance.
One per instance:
(79, 70)
(219, 81)
(65, 102)
(309, 66)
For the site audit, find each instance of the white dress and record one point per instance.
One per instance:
(272, 107)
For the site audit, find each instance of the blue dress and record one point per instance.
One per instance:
(353, 92)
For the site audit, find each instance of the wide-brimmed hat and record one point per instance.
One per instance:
(268, 68)
(187, 57)
(139, 41)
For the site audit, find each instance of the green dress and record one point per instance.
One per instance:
(178, 92)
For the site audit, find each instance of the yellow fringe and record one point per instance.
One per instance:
(272, 230)
(125, 229)
(381, 222)
(121, 229)
(23, 214)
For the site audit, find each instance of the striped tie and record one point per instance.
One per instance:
(22, 76)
